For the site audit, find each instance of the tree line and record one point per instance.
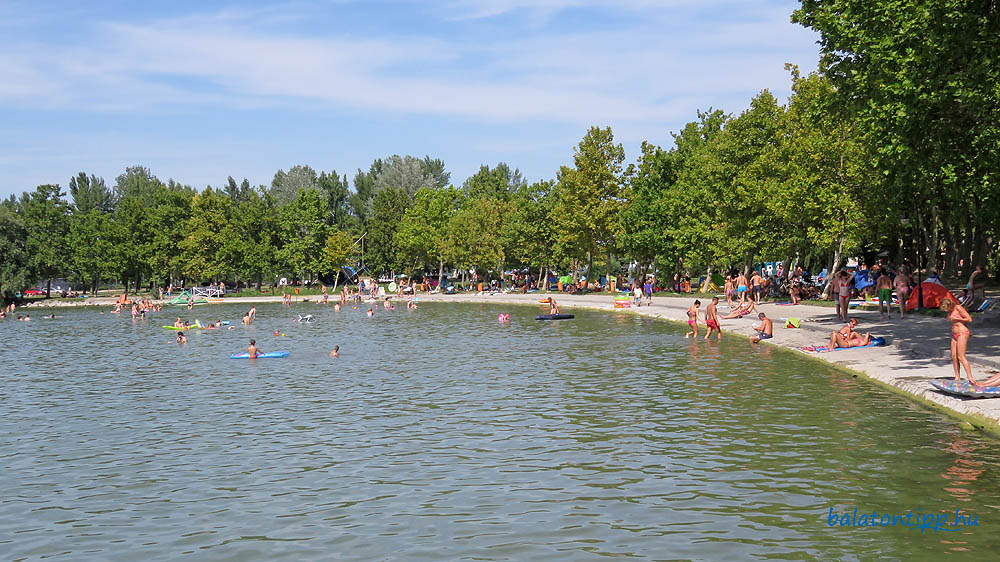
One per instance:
(890, 147)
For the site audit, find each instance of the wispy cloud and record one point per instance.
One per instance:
(634, 74)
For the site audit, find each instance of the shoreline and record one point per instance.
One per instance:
(916, 352)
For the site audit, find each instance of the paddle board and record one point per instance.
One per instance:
(554, 317)
(965, 388)
(268, 355)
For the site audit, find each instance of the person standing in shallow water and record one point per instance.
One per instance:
(712, 318)
(692, 313)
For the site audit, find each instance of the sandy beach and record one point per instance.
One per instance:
(917, 349)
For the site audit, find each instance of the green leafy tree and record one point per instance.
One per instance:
(132, 233)
(388, 208)
(303, 232)
(285, 186)
(90, 193)
(15, 267)
(499, 183)
(475, 235)
(337, 192)
(526, 234)
(422, 233)
(922, 79)
(589, 198)
(46, 220)
(338, 253)
(204, 236)
(251, 242)
(136, 182)
(91, 245)
(168, 220)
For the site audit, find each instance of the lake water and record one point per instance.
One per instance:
(441, 434)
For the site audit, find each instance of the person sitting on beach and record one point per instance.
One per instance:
(692, 314)
(253, 351)
(765, 330)
(553, 307)
(181, 338)
(178, 323)
(335, 352)
(842, 337)
(742, 310)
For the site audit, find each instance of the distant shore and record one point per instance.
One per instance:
(917, 350)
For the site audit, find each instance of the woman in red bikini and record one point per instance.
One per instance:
(960, 334)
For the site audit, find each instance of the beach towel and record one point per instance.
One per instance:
(876, 342)
(793, 323)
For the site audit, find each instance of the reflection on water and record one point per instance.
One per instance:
(440, 433)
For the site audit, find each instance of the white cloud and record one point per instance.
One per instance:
(645, 73)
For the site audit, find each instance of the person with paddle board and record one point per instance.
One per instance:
(253, 351)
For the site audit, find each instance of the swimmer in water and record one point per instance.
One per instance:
(253, 351)
(27, 318)
(336, 307)
(370, 313)
(181, 338)
(553, 307)
(335, 352)
(178, 323)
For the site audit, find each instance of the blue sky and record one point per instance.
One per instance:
(198, 91)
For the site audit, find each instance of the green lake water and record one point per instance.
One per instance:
(441, 434)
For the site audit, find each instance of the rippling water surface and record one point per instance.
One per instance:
(441, 434)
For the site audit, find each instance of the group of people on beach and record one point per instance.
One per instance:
(764, 330)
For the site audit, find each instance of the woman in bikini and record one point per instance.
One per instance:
(960, 334)
(692, 313)
(902, 284)
(729, 290)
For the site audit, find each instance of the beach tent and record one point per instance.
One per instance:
(934, 293)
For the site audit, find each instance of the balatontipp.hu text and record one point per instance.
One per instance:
(914, 520)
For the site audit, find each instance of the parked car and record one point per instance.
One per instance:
(34, 293)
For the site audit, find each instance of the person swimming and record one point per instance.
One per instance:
(253, 351)
(181, 338)
(178, 323)
(335, 352)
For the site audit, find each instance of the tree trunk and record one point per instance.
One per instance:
(933, 247)
(543, 282)
(708, 280)
(336, 281)
(440, 272)
(833, 268)
(607, 272)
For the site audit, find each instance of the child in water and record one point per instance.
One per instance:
(181, 338)
(335, 352)
(370, 313)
